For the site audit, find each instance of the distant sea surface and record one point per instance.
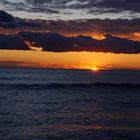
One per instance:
(58, 104)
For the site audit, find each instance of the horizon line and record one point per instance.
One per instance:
(62, 68)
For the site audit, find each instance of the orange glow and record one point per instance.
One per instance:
(98, 36)
(94, 69)
(71, 60)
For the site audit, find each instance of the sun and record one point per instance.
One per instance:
(94, 69)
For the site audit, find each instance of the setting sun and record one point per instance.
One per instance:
(69, 69)
(94, 69)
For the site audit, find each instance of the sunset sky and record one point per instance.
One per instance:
(70, 34)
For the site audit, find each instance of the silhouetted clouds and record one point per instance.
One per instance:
(12, 42)
(81, 26)
(6, 20)
(118, 26)
(5, 17)
(55, 42)
(27, 23)
(9, 21)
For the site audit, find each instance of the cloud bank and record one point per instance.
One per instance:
(5, 17)
(118, 27)
(12, 42)
(55, 42)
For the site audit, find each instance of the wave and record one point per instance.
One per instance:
(70, 85)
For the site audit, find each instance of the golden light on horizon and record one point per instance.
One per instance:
(74, 60)
(95, 68)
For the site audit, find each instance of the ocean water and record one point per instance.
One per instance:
(57, 104)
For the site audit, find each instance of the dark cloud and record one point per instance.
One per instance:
(125, 5)
(27, 23)
(55, 42)
(119, 26)
(12, 42)
(83, 26)
(6, 20)
(5, 17)
(103, 6)
(80, 43)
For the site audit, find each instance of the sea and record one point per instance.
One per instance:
(60, 104)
